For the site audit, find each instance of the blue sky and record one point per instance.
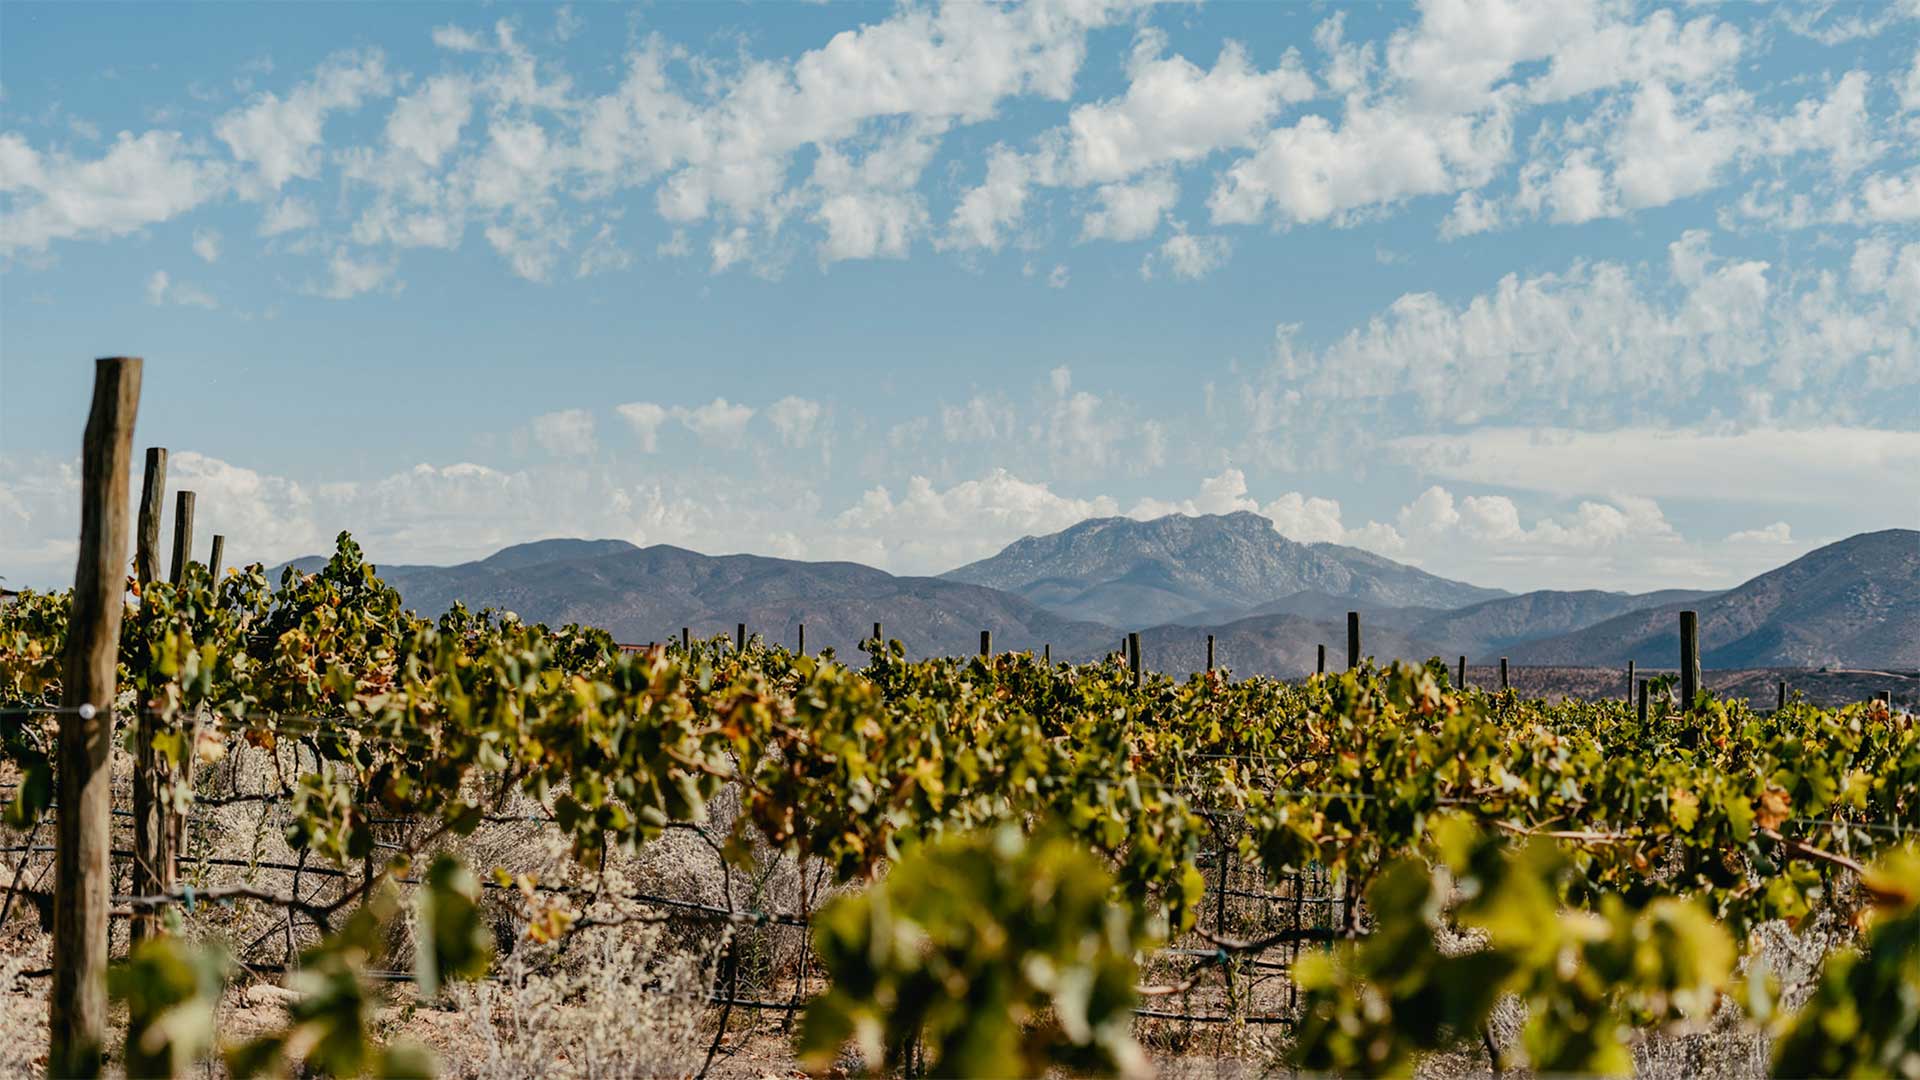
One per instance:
(1571, 294)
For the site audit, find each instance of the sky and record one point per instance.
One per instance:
(1570, 294)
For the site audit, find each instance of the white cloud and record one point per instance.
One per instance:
(427, 123)
(281, 138)
(566, 432)
(1188, 257)
(928, 529)
(981, 419)
(349, 276)
(795, 418)
(1891, 197)
(1602, 340)
(1308, 519)
(138, 182)
(163, 289)
(1174, 112)
(289, 214)
(987, 211)
(645, 418)
(1811, 466)
(1129, 211)
(458, 39)
(206, 244)
(1777, 533)
(718, 421)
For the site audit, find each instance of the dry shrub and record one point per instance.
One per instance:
(626, 1004)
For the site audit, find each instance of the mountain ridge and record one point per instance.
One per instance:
(1136, 574)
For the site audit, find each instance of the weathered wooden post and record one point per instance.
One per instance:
(1643, 701)
(1046, 654)
(182, 535)
(153, 498)
(986, 643)
(77, 1015)
(1353, 639)
(1503, 673)
(1783, 696)
(803, 639)
(150, 830)
(686, 639)
(1689, 659)
(1133, 655)
(216, 557)
(1461, 682)
(1629, 682)
(1321, 667)
(1209, 654)
(740, 638)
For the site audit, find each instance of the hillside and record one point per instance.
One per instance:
(1144, 573)
(1853, 603)
(648, 594)
(1483, 632)
(1285, 645)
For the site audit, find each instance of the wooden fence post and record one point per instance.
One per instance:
(153, 499)
(1629, 682)
(1209, 654)
(1783, 696)
(1321, 668)
(77, 1015)
(182, 535)
(740, 638)
(1133, 655)
(1353, 640)
(1643, 701)
(149, 822)
(686, 640)
(1046, 654)
(1689, 659)
(803, 639)
(1503, 673)
(986, 643)
(217, 556)
(1461, 683)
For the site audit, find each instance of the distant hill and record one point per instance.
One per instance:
(1142, 573)
(1853, 603)
(1285, 645)
(1483, 632)
(648, 594)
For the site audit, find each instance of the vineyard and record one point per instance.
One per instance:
(340, 838)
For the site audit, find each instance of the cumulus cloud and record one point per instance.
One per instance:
(718, 421)
(645, 418)
(163, 289)
(139, 181)
(206, 244)
(1129, 211)
(349, 275)
(926, 529)
(1601, 340)
(281, 137)
(1188, 257)
(795, 418)
(566, 432)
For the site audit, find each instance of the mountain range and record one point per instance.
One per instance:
(1267, 600)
